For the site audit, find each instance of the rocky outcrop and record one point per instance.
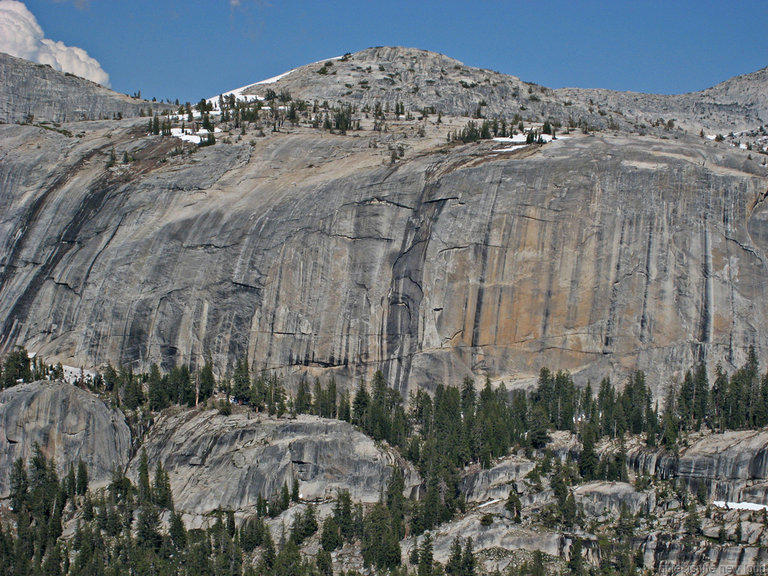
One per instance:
(502, 534)
(733, 466)
(217, 461)
(735, 105)
(496, 482)
(69, 424)
(601, 499)
(33, 93)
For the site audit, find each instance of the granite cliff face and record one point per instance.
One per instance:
(595, 254)
(68, 424)
(32, 92)
(313, 253)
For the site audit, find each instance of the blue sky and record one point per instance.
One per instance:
(198, 48)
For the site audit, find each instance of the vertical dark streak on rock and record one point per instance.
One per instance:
(505, 243)
(401, 325)
(275, 308)
(648, 255)
(484, 266)
(705, 322)
(611, 324)
(555, 254)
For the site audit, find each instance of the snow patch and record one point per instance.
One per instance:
(72, 375)
(522, 138)
(517, 138)
(188, 135)
(510, 149)
(238, 92)
(739, 505)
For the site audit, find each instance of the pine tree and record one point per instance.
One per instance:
(145, 493)
(701, 395)
(426, 561)
(575, 561)
(360, 405)
(158, 398)
(303, 400)
(453, 566)
(241, 382)
(513, 505)
(330, 537)
(177, 531)
(206, 382)
(161, 489)
(588, 459)
(468, 563)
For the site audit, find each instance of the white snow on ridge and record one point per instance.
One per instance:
(275, 78)
(284, 74)
(517, 138)
(238, 92)
(739, 505)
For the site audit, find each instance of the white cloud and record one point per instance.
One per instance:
(21, 36)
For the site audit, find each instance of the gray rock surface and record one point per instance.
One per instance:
(733, 466)
(483, 485)
(315, 255)
(735, 105)
(32, 92)
(421, 79)
(606, 498)
(458, 261)
(68, 424)
(217, 461)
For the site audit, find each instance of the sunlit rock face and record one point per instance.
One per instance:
(597, 254)
(67, 424)
(317, 254)
(227, 462)
(32, 93)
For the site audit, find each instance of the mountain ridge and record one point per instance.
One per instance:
(31, 92)
(423, 79)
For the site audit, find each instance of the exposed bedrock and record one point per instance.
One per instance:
(595, 254)
(68, 424)
(732, 466)
(32, 93)
(216, 461)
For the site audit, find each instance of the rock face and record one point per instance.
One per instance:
(496, 482)
(594, 254)
(68, 424)
(606, 498)
(733, 466)
(225, 462)
(315, 255)
(32, 92)
(740, 103)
